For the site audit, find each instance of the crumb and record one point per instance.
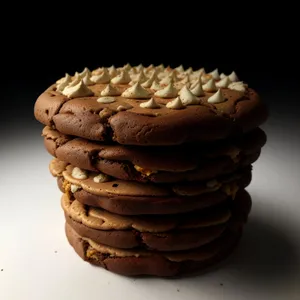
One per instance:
(178, 290)
(55, 251)
(1, 270)
(221, 284)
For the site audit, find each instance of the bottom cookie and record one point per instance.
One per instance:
(142, 262)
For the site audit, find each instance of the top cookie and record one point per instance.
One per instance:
(150, 106)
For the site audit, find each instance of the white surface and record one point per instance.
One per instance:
(266, 265)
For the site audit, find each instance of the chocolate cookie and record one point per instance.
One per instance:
(162, 233)
(143, 262)
(133, 198)
(192, 162)
(176, 108)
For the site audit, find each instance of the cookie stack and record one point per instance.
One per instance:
(153, 164)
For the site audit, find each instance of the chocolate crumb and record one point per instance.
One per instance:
(55, 251)
(178, 290)
(221, 284)
(1, 270)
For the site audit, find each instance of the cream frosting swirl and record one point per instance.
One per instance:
(106, 99)
(187, 97)
(64, 82)
(238, 86)
(85, 72)
(197, 89)
(175, 104)
(223, 83)
(233, 77)
(86, 79)
(110, 91)
(210, 86)
(100, 178)
(215, 74)
(101, 78)
(148, 82)
(168, 92)
(122, 78)
(150, 104)
(155, 86)
(79, 173)
(216, 98)
(136, 92)
(112, 71)
(79, 90)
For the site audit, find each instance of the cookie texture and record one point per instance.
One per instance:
(123, 119)
(166, 264)
(193, 162)
(173, 233)
(134, 198)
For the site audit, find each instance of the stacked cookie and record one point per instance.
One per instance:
(153, 164)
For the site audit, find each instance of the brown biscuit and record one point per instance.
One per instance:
(158, 164)
(142, 262)
(132, 198)
(168, 233)
(83, 117)
(176, 232)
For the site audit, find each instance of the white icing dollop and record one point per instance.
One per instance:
(155, 86)
(215, 74)
(101, 78)
(222, 75)
(216, 98)
(210, 86)
(127, 67)
(106, 100)
(160, 67)
(197, 89)
(189, 71)
(75, 188)
(75, 81)
(161, 75)
(79, 90)
(136, 92)
(139, 68)
(100, 178)
(97, 71)
(233, 77)
(124, 107)
(79, 174)
(110, 91)
(87, 81)
(122, 78)
(85, 72)
(148, 82)
(64, 82)
(187, 97)
(168, 92)
(112, 71)
(167, 80)
(140, 77)
(150, 104)
(238, 86)
(67, 77)
(180, 69)
(223, 83)
(199, 72)
(175, 104)
(185, 80)
(205, 78)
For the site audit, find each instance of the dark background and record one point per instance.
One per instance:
(40, 44)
